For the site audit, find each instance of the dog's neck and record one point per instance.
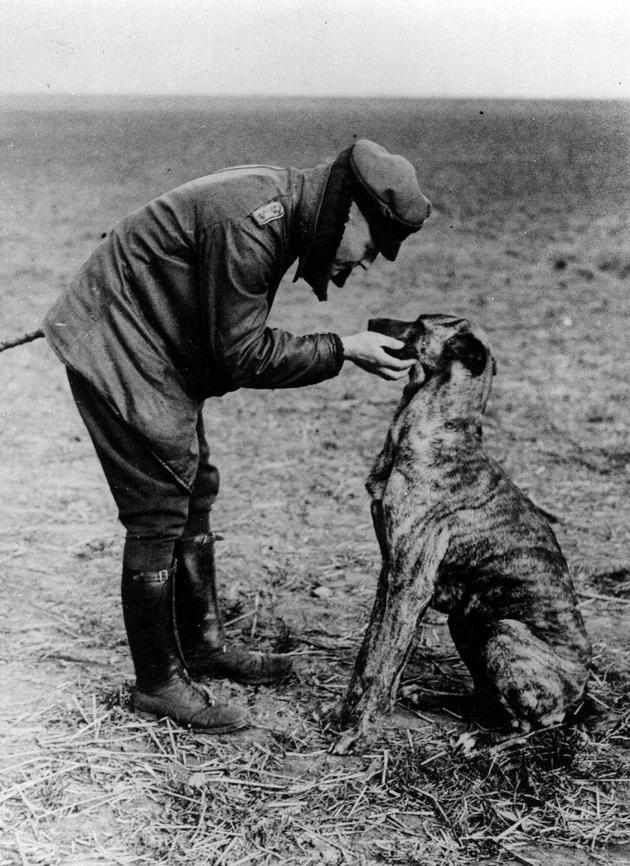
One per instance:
(440, 414)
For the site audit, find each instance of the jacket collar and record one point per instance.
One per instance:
(322, 214)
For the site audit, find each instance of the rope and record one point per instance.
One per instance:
(19, 341)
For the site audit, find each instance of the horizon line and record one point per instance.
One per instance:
(306, 96)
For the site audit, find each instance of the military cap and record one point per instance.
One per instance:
(386, 190)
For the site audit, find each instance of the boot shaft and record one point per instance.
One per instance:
(147, 602)
(196, 603)
(200, 626)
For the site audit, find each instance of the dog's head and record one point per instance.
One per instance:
(438, 342)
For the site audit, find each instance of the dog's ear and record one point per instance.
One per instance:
(468, 350)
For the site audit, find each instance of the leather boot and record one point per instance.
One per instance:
(163, 687)
(200, 626)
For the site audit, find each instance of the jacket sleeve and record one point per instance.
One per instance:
(240, 268)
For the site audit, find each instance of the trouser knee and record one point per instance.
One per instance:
(154, 507)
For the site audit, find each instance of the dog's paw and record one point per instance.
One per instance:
(467, 743)
(494, 742)
(347, 741)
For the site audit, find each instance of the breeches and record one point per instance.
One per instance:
(153, 506)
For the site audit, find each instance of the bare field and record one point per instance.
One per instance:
(530, 237)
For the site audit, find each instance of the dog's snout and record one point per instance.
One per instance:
(395, 328)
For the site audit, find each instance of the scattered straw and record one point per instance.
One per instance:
(139, 792)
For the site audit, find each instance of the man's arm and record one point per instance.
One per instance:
(240, 267)
(239, 270)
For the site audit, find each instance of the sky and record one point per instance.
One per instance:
(413, 48)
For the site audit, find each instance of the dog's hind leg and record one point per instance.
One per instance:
(404, 591)
(530, 683)
(470, 641)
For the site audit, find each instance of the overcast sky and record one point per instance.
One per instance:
(502, 48)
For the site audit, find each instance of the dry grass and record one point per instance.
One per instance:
(92, 784)
(529, 238)
(98, 785)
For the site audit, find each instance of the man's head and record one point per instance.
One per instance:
(371, 203)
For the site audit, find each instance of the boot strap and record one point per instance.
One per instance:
(160, 576)
(204, 538)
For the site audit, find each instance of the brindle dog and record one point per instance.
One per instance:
(456, 534)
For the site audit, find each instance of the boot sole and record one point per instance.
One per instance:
(240, 680)
(219, 729)
(200, 673)
(243, 681)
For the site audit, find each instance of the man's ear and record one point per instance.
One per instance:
(468, 350)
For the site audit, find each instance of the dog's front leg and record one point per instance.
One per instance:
(380, 529)
(379, 474)
(404, 591)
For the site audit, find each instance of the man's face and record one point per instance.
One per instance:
(356, 248)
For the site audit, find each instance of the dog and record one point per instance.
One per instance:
(455, 533)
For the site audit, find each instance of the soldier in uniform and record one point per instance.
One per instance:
(171, 309)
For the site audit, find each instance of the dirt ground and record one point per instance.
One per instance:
(529, 238)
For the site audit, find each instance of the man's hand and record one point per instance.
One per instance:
(367, 350)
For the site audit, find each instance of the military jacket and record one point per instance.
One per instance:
(172, 306)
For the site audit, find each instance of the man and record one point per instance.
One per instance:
(171, 309)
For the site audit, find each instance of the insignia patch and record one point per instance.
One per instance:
(267, 213)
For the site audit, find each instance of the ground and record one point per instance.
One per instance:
(529, 238)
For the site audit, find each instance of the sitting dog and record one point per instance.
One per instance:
(456, 534)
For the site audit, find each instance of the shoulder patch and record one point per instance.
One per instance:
(267, 213)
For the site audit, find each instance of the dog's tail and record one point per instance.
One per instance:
(19, 341)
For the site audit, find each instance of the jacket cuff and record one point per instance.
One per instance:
(337, 351)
